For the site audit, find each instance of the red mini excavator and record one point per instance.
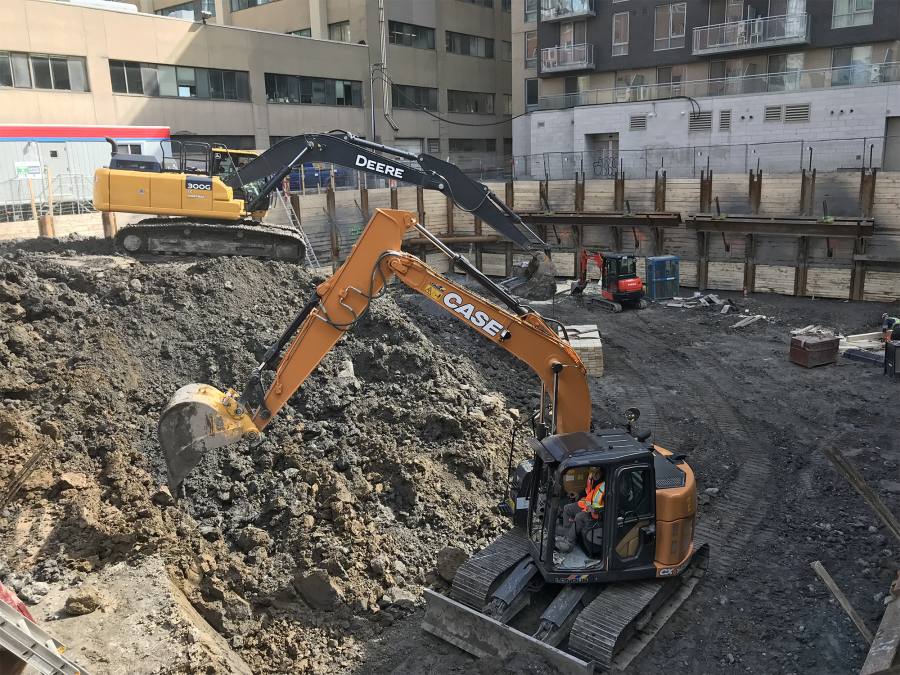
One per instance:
(619, 282)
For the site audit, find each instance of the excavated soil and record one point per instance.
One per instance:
(308, 553)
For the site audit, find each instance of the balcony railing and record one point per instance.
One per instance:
(758, 33)
(558, 10)
(798, 80)
(567, 57)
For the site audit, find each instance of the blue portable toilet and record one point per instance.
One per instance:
(663, 279)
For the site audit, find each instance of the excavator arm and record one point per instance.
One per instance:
(200, 418)
(347, 150)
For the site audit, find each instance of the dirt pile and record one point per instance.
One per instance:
(298, 551)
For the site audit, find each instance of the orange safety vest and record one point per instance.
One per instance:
(594, 496)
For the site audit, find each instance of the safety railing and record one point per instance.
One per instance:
(862, 75)
(65, 194)
(758, 33)
(560, 10)
(567, 57)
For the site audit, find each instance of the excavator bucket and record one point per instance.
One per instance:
(536, 281)
(199, 418)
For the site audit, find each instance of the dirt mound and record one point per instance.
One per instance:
(297, 551)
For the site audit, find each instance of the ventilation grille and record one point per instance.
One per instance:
(773, 113)
(724, 120)
(796, 113)
(638, 123)
(701, 121)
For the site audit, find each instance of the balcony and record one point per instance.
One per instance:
(861, 75)
(567, 57)
(559, 10)
(759, 33)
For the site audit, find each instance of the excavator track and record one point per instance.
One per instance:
(479, 575)
(607, 634)
(180, 236)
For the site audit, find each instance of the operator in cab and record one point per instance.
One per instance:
(578, 515)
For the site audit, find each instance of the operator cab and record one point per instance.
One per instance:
(620, 542)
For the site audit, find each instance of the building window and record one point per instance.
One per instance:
(505, 50)
(470, 102)
(42, 71)
(237, 5)
(507, 147)
(339, 32)
(669, 22)
(303, 32)
(531, 48)
(620, 34)
(482, 3)
(312, 90)
(531, 91)
(410, 35)
(507, 104)
(473, 145)
(506, 5)
(186, 9)
(414, 98)
(669, 79)
(531, 11)
(434, 146)
(469, 45)
(852, 65)
(150, 79)
(846, 13)
(784, 71)
(572, 33)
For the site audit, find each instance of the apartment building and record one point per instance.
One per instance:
(610, 77)
(249, 72)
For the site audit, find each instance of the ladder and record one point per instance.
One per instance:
(33, 645)
(281, 213)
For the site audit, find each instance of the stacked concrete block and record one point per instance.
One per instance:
(585, 340)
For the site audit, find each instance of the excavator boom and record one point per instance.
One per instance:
(200, 418)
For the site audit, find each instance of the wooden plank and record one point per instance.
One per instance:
(838, 594)
(845, 466)
(883, 654)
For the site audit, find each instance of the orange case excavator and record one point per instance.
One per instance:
(592, 590)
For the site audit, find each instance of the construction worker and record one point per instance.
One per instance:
(890, 327)
(578, 515)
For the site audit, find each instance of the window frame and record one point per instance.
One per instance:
(430, 34)
(411, 91)
(169, 80)
(537, 98)
(283, 89)
(340, 26)
(670, 37)
(537, 49)
(453, 37)
(615, 44)
(471, 99)
(853, 14)
(55, 69)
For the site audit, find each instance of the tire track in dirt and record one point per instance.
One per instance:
(740, 519)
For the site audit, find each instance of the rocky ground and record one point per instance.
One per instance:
(308, 553)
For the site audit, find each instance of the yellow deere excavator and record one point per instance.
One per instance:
(211, 200)
(591, 588)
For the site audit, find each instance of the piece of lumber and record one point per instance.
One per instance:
(856, 480)
(884, 654)
(838, 594)
(747, 321)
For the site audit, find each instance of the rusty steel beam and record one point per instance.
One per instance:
(478, 239)
(792, 226)
(667, 219)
